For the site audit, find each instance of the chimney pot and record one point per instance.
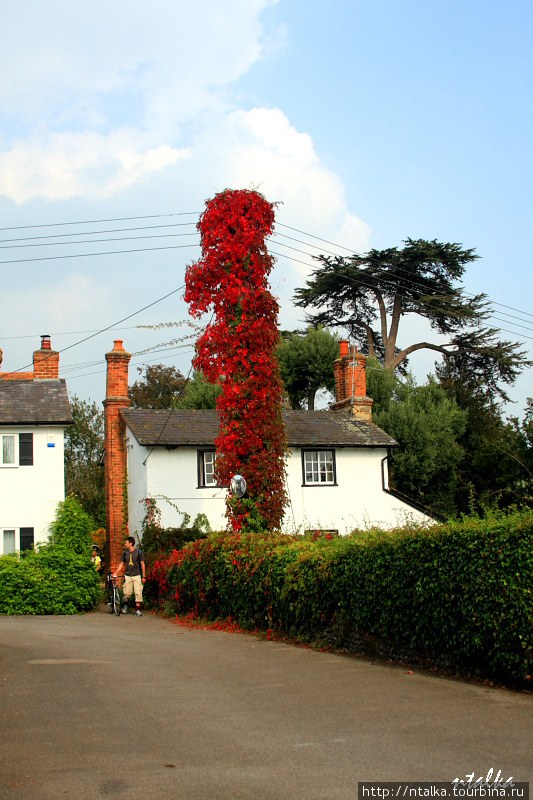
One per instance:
(46, 342)
(344, 348)
(118, 344)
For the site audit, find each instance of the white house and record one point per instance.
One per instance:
(336, 471)
(34, 411)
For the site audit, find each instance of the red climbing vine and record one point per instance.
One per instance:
(237, 350)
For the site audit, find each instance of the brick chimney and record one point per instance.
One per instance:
(45, 361)
(115, 451)
(350, 384)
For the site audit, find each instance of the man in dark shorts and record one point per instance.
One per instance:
(132, 564)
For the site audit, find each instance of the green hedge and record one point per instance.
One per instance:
(52, 580)
(461, 591)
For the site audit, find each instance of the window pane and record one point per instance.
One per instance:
(318, 466)
(9, 542)
(8, 450)
(209, 469)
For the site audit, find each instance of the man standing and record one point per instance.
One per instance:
(132, 564)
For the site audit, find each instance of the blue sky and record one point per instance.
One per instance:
(369, 122)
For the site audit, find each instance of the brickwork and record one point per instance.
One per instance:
(45, 365)
(350, 383)
(115, 451)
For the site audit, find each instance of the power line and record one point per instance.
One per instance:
(99, 221)
(299, 261)
(108, 253)
(413, 283)
(362, 255)
(102, 330)
(108, 230)
(94, 241)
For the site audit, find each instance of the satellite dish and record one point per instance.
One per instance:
(238, 486)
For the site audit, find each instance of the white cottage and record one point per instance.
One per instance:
(336, 473)
(34, 411)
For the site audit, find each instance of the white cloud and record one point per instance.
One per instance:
(64, 165)
(261, 149)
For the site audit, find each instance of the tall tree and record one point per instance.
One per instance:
(496, 469)
(427, 425)
(369, 294)
(159, 387)
(84, 447)
(306, 363)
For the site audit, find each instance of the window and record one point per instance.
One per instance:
(206, 468)
(15, 449)
(26, 539)
(318, 467)
(9, 542)
(26, 449)
(8, 450)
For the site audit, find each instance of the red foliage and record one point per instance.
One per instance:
(237, 351)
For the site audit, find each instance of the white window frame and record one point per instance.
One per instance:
(319, 467)
(14, 463)
(206, 469)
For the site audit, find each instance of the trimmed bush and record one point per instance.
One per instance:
(59, 577)
(462, 592)
(53, 580)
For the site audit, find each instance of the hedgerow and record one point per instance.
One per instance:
(462, 591)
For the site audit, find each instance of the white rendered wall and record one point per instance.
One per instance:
(29, 495)
(357, 501)
(171, 478)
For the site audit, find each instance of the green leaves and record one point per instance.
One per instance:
(461, 593)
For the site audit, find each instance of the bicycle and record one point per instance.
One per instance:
(113, 594)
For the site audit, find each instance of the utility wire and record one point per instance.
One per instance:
(299, 261)
(362, 255)
(94, 241)
(420, 302)
(108, 253)
(102, 330)
(99, 221)
(90, 233)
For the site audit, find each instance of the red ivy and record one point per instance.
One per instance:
(237, 350)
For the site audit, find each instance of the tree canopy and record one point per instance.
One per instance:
(369, 294)
(199, 393)
(84, 447)
(158, 388)
(306, 363)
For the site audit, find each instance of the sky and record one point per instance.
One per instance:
(367, 122)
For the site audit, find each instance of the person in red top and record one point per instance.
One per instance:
(133, 565)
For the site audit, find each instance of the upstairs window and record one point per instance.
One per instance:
(7, 452)
(26, 449)
(206, 468)
(16, 450)
(319, 468)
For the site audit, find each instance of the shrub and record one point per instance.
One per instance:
(73, 527)
(463, 590)
(52, 580)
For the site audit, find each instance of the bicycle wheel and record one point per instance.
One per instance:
(116, 601)
(110, 598)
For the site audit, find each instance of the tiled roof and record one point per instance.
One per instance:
(304, 428)
(41, 402)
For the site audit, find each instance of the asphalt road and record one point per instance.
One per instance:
(103, 707)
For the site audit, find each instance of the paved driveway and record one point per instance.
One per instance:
(103, 707)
